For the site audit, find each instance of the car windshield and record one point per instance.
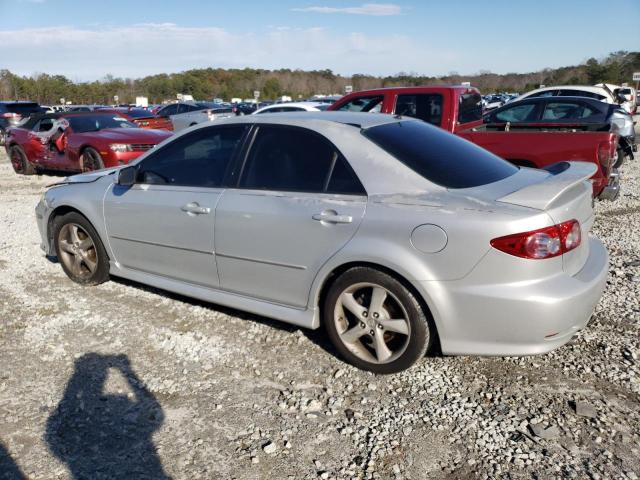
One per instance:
(138, 113)
(439, 156)
(94, 123)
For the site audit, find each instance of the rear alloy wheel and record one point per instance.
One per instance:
(80, 250)
(91, 160)
(375, 322)
(20, 162)
(618, 158)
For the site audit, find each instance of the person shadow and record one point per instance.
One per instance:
(8, 468)
(106, 435)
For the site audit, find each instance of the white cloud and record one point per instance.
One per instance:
(374, 9)
(139, 50)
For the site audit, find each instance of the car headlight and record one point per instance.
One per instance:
(120, 147)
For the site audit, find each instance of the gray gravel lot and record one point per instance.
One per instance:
(123, 381)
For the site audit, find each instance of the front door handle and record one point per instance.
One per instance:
(194, 209)
(331, 216)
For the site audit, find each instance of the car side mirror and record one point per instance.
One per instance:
(127, 176)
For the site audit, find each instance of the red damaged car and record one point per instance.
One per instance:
(77, 142)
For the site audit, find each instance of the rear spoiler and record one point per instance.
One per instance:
(562, 177)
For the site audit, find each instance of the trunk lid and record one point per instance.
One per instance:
(564, 194)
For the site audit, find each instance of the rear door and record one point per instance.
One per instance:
(297, 203)
(164, 224)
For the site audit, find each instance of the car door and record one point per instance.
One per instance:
(164, 223)
(36, 145)
(296, 204)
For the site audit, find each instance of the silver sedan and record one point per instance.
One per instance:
(393, 235)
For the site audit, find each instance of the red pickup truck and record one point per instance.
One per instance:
(458, 109)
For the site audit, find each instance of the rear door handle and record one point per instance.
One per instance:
(332, 217)
(194, 209)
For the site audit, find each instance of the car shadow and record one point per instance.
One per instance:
(318, 336)
(8, 468)
(100, 434)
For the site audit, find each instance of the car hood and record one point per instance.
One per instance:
(88, 177)
(130, 135)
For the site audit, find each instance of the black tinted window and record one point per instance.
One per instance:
(427, 107)
(343, 179)
(524, 112)
(24, 109)
(363, 104)
(94, 123)
(168, 110)
(438, 156)
(470, 107)
(294, 159)
(556, 111)
(198, 159)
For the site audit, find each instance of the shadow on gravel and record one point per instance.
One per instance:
(318, 336)
(8, 468)
(100, 434)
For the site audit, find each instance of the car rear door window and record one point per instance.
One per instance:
(439, 156)
(198, 159)
(297, 160)
(568, 111)
(426, 107)
(371, 104)
(517, 113)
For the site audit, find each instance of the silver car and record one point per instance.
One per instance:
(393, 235)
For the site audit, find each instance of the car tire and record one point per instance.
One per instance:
(20, 162)
(3, 137)
(91, 160)
(387, 340)
(80, 250)
(619, 157)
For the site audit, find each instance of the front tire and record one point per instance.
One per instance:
(375, 322)
(20, 162)
(91, 160)
(80, 250)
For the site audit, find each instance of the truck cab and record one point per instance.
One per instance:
(453, 108)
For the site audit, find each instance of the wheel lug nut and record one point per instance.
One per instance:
(371, 332)
(375, 315)
(380, 326)
(362, 325)
(365, 314)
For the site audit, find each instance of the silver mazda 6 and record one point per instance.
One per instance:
(393, 235)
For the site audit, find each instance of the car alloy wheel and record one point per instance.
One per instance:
(77, 251)
(91, 160)
(372, 323)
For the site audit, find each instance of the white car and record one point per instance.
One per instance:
(598, 92)
(188, 114)
(293, 107)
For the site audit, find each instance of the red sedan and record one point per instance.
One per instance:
(77, 142)
(141, 117)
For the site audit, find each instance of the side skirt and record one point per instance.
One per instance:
(305, 318)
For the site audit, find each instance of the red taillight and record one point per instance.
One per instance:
(605, 153)
(543, 243)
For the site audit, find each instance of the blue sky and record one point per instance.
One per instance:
(87, 39)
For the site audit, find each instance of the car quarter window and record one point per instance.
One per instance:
(197, 159)
(517, 113)
(363, 104)
(298, 160)
(427, 107)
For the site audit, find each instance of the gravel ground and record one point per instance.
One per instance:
(123, 381)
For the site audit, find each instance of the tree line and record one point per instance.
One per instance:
(210, 83)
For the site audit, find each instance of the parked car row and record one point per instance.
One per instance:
(342, 219)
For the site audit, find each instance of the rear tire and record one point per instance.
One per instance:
(80, 250)
(20, 162)
(91, 160)
(619, 157)
(375, 322)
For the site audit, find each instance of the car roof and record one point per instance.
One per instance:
(584, 88)
(356, 119)
(572, 98)
(292, 104)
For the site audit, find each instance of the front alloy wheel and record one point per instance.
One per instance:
(80, 250)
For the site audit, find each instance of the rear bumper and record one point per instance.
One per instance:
(518, 318)
(612, 189)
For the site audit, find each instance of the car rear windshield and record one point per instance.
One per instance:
(23, 109)
(470, 108)
(138, 113)
(439, 156)
(93, 123)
